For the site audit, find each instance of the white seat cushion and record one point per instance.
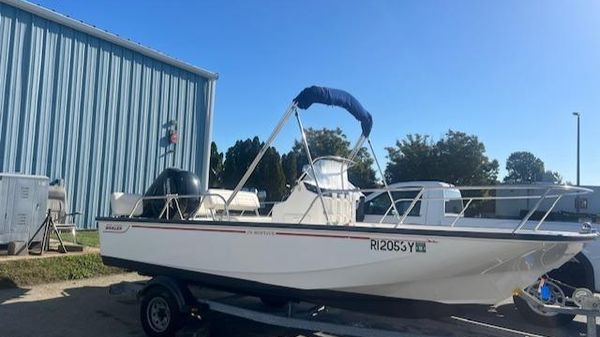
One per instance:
(243, 201)
(123, 203)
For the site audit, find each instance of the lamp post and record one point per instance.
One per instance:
(578, 115)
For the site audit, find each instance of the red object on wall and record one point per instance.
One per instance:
(173, 138)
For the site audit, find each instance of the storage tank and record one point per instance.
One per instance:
(23, 200)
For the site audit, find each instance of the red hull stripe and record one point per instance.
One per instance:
(276, 233)
(324, 235)
(192, 229)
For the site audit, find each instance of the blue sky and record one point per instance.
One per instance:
(510, 72)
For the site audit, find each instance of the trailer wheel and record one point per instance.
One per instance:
(159, 313)
(538, 316)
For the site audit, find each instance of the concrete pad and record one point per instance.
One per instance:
(18, 248)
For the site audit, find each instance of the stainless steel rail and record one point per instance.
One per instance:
(174, 199)
(551, 193)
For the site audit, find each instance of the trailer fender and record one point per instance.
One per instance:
(590, 271)
(179, 291)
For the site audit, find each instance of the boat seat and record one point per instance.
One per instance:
(58, 206)
(243, 201)
(121, 204)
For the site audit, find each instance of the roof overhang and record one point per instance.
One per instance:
(107, 36)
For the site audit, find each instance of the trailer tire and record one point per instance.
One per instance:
(159, 313)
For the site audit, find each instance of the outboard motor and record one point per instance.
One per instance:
(173, 181)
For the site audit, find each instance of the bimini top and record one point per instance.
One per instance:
(338, 98)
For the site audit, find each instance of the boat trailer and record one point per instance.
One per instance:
(585, 303)
(317, 318)
(291, 315)
(201, 305)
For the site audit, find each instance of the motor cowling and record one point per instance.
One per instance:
(173, 181)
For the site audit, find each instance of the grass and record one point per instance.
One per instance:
(27, 272)
(87, 238)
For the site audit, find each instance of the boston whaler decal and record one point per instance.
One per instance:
(387, 245)
(116, 228)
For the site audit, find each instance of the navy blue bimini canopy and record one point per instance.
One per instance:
(339, 98)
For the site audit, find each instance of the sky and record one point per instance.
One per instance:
(511, 72)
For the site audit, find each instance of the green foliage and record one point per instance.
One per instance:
(267, 176)
(289, 163)
(552, 177)
(328, 142)
(87, 238)
(525, 168)
(237, 160)
(26, 272)
(457, 158)
(215, 176)
(413, 158)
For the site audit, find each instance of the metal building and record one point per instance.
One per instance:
(100, 112)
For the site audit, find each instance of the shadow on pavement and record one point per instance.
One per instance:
(507, 316)
(9, 290)
(92, 312)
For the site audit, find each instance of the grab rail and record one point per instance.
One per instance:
(554, 193)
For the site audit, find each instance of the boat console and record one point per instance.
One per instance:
(339, 199)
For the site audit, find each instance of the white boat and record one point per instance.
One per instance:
(316, 246)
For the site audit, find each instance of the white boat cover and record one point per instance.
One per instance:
(243, 201)
(331, 174)
(121, 204)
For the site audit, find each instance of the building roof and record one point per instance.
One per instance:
(107, 36)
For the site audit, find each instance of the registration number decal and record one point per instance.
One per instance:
(386, 245)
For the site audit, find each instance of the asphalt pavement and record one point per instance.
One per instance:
(85, 308)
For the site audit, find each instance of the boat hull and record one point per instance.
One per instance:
(320, 262)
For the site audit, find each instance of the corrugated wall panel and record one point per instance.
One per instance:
(96, 114)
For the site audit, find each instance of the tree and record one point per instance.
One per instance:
(462, 160)
(552, 177)
(267, 176)
(289, 163)
(525, 168)
(328, 142)
(411, 159)
(362, 174)
(215, 176)
(457, 158)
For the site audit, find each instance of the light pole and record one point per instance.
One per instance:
(578, 119)
(578, 115)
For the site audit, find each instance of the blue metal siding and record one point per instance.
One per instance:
(91, 112)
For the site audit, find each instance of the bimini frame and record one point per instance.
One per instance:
(304, 100)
